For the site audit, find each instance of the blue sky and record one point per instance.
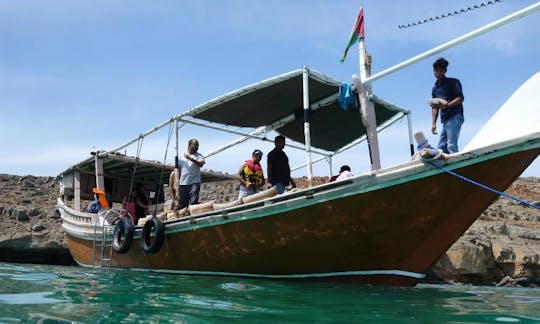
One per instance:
(81, 74)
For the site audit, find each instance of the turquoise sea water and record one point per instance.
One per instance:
(54, 294)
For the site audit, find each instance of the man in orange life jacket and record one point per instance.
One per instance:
(251, 175)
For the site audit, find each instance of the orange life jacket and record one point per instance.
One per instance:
(252, 172)
(101, 198)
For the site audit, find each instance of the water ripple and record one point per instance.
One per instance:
(29, 298)
(38, 293)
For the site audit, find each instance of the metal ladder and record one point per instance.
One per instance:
(100, 245)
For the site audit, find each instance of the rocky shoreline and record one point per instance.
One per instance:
(501, 248)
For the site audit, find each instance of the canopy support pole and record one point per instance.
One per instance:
(77, 190)
(307, 132)
(411, 143)
(176, 141)
(176, 168)
(100, 182)
(331, 173)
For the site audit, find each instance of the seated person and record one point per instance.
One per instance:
(344, 173)
(93, 207)
(99, 201)
(174, 183)
(128, 203)
(141, 203)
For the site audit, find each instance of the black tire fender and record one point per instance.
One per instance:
(123, 235)
(149, 245)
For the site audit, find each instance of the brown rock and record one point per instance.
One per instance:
(511, 230)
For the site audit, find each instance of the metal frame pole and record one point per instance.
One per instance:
(307, 132)
(409, 124)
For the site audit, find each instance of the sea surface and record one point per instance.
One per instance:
(56, 294)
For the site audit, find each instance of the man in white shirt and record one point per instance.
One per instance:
(190, 179)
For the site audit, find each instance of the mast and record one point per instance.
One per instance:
(367, 107)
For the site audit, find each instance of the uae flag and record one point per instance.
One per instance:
(356, 34)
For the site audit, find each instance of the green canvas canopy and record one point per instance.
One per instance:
(279, 101)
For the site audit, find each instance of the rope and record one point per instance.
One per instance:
(160, 187)
(139, 148)
(450, 14)
(523, 202)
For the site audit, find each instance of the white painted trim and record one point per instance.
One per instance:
(382, 272)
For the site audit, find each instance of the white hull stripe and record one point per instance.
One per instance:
(289, 276)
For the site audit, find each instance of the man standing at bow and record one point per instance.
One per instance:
(448, 89)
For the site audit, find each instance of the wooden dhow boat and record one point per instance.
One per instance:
(387, 226)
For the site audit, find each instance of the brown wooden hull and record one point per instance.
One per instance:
(387, 235)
